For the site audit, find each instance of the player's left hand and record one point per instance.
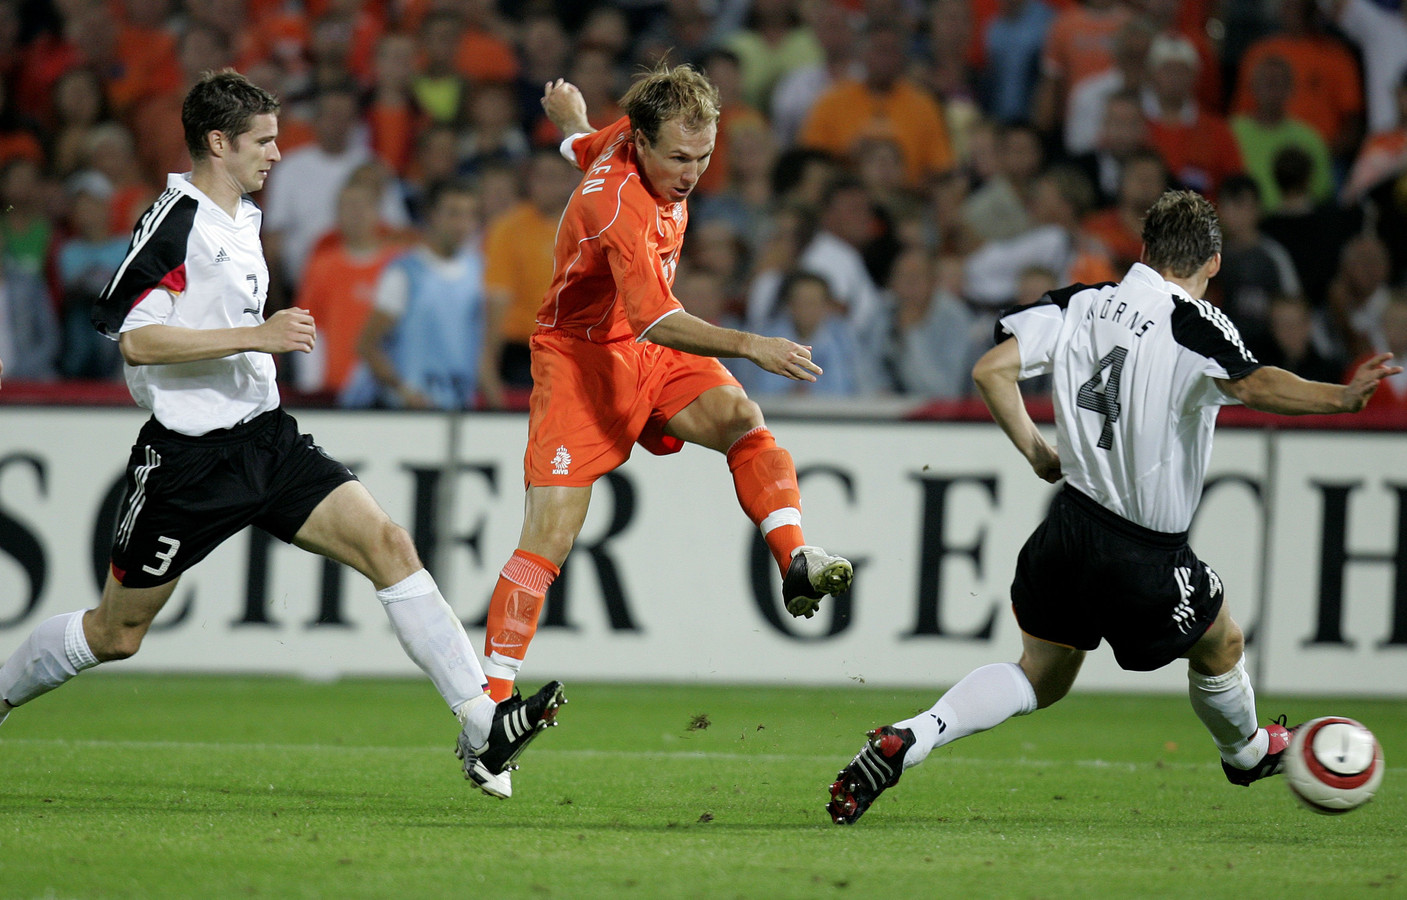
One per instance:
(1046, 463)
(786, 358)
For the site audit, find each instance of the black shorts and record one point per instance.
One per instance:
(1087, 573)
(185, 495)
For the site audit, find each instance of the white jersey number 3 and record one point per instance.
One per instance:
(172, 545)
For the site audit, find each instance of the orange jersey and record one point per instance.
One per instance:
(617, 247)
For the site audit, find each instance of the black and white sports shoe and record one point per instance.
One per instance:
(515, 723)
(875, 768)
(1270, 763)
(812, 575)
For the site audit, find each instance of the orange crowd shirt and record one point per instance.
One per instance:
(339, 289)
(518, 258)
(617, 246)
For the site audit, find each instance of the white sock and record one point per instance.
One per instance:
(1226, 704)
(53, 653)
(476, 715)
(434, 638)
(984, 699)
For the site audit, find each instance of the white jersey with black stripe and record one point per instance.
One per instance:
(190, 264)
(1132, 368)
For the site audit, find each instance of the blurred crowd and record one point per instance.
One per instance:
(888, 175)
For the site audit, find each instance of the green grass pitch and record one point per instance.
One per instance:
(140, 786)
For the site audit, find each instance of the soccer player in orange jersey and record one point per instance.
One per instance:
(617, 361)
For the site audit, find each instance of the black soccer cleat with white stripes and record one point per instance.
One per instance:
(874, 769)
(515, 723)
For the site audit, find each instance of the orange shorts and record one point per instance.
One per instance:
(592, 402)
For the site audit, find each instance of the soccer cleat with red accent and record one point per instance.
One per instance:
(516, 722)
(1271, 763)
(813, 575)
(874, 769)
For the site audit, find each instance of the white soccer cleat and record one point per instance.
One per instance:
(812, 575)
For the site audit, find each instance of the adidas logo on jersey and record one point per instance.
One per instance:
(222, 256)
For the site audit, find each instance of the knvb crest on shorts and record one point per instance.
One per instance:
(561, 462)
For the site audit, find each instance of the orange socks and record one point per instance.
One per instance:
(513, 614)
(765, 479)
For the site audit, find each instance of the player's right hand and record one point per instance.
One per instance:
(786, 358)
(1366, 379)
(288, 330)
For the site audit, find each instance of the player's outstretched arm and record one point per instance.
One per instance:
(565, 107)
(156, 345)
(1272, 389)
(690, 334)
(996, 375)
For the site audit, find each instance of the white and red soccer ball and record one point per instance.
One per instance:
(1333, 764)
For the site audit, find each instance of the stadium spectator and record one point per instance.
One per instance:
(198, 375)
(1392, 327)
(440, 88)
(19, 138)
(25, 227)
(847, 226)
(599, 389)
(779, 254)
(997, 210)
(832, 26)
(934, 335)
(682, 31)
(157, 117)
(1381, 37)
(1255, 269)
(394, 117)
(1326, 91)
(1358, 294)
(1196, 144)
(339, 286)
(808, 314)
(83, 263)
(1123, 133)
(1292, 325)
(773, 43)
(300, 203)
(422, 342)
(1189, 21)
(518, 272)
(885, 101)
(1060, 199)
(1120, 228)
(544, 52)
(486, 51)
(1013, 41)
(112, 151)
(78, 107)
(598, 76)
(1313, 233)
(29, 331)
(942, 65)
(1111, 560)
(492, 133)
(1377, 180)
(735, 117)
(1267, 128)
(1080, 43)
(745, 199)
(1089, 98)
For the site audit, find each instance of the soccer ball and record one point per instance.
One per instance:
(1333, 764)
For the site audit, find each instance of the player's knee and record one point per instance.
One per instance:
(739, 416)
(115, 643)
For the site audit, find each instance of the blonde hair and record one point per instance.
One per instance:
(668, 93)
